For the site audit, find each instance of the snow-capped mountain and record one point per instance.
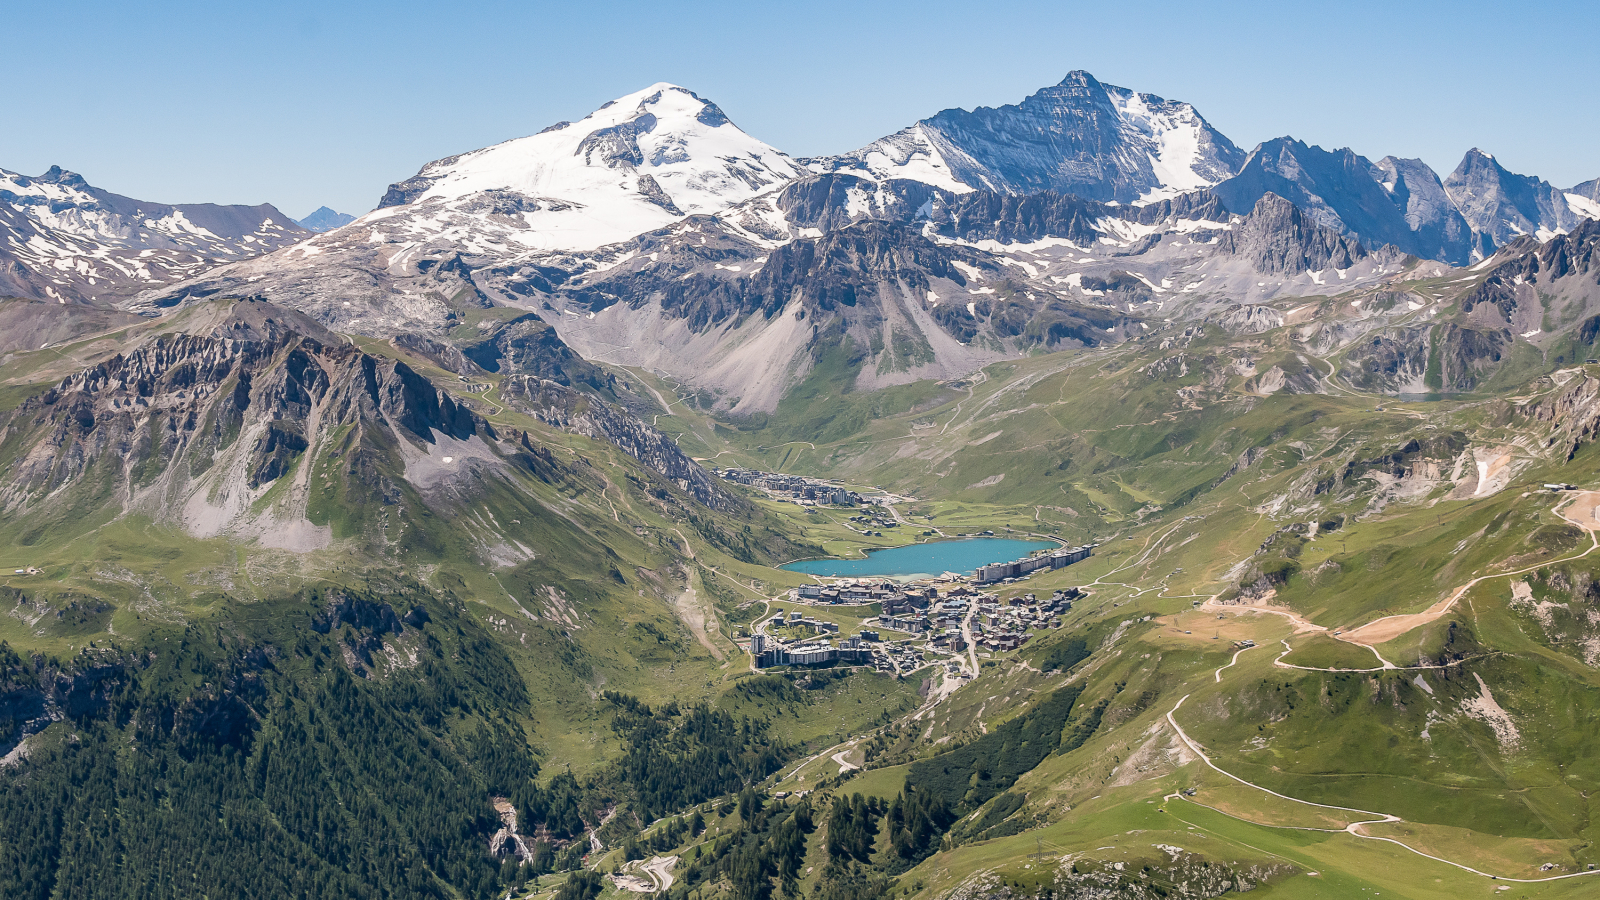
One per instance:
(654, 233)
(1082, 137)
(639, 162)
(325, 219)
(65, 240)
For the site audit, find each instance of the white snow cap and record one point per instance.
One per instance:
(637, 163)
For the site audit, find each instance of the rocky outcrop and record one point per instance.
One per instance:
(446, 356)
(1344, 192)
(1447, 358)
(34, 692)
(1278, 238)
(1249, 319)
(1571, 414)
(1575, 255)
(194, 429)
(526, 345)
(558, 405)
(833, 200)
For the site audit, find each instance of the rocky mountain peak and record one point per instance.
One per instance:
(1080, 136)
(1278, 238)
(1395, 201)
(325, 219)
(1501, 205)
(58, 175)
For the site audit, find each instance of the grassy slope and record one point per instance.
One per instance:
(1099, 436)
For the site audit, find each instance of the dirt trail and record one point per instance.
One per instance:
(1264, 606)
(1583, 511)
(687, 605)
(1390, 627)
(1355, 828)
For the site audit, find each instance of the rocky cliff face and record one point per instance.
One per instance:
(1571, 416)
(1276, 237)
(525, 345)
(256, 422)
(558, 405)
(1533, 286)
(1423, 359)
(1503, 206)
(1347, 193)
(198, 429)
(1438, 230)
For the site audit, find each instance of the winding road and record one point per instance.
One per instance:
(1388, 628)
(1354, 828)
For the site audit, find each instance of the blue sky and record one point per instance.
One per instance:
(308, 103)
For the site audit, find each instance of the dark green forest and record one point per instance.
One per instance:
(256, 739)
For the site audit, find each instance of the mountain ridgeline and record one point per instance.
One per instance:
(430, 552)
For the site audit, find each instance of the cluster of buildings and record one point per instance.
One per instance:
(798, 619)
(768, 653)
(938, 621)
(1020, 568)
(1006, 626)
(944, 614)
(859, 592)
(793, 487)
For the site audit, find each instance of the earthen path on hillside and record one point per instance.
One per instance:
(1580, 512)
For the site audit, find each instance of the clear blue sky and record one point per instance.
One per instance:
(308, 103)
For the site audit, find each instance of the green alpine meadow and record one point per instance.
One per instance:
(1238, 508)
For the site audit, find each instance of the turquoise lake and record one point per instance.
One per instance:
(933, 558)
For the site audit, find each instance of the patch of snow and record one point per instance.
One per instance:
(1583, 206)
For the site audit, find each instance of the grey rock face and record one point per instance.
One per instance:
(1558, 277)
(191, 427)
(1503, 206)
(1399, 360)
(1278, 238)
(1342, 191)
(1438, 229)
(527, 346)
(1081, 137)
(558, 405)
(1403, 203)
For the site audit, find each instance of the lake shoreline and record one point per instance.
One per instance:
(911, 561)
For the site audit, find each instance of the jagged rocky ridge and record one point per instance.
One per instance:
(743, 269)
(1463, 218)
(1277, 238)
(237, 430)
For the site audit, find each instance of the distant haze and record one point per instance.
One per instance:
(308, 104)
